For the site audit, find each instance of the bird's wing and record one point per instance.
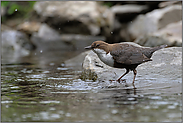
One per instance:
(128, 54)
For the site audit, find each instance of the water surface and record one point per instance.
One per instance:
(40, 87)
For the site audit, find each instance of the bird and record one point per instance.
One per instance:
(123, 55)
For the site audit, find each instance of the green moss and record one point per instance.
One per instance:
(17, 9)
(12, 6)
(11, 74)
(10, 80)
(88, 74)
(108, 3)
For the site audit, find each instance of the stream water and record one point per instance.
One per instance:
(40, 87)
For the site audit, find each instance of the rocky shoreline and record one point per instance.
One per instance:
(165, 62)
(146, 23)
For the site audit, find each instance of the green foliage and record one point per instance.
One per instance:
(16, 9)
(4, 3)
(15, 6)
(108, 3)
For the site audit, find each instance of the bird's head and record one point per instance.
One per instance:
(99, 47)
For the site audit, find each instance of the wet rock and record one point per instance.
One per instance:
(170, 35)
(29, 27)
(76, 61)
(78, 42)
(15, 43)
(169, 3)
(3, 11)
(48, 39)
(155, 20)
(77, 17)
(47, 33)
(126, 13)
(166, 67)
(93, 64)
(5, 27)
(123, 14)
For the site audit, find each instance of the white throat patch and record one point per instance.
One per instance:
(106, 58)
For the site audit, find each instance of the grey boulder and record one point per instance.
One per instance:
(170, 35)
(165, 69)
(77, 17)
(155, 20)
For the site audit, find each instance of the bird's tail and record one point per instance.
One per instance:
(158, 48)
(149, 53)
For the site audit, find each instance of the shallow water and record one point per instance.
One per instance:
(40, 87)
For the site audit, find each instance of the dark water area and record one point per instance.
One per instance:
(39, 87)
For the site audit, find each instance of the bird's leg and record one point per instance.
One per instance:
(127, 71)
(135, 73)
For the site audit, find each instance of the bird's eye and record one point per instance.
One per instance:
(97, 45)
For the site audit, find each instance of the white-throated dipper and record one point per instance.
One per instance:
(123, 55)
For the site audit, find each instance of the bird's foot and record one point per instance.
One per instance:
(121, 80)
(134, 86)
(112, 80)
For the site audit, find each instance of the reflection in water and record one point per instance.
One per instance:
(53, 92)
(120, 96)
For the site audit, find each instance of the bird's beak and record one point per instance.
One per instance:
(88, 47)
